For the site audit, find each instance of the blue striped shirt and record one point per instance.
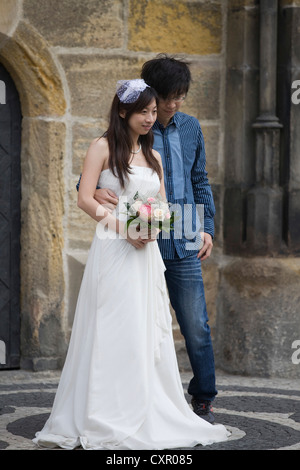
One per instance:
(181, 146)
(182, 149)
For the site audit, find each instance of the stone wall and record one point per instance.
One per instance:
(65, 58)
(258, 300)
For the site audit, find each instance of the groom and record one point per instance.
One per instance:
(179, 140)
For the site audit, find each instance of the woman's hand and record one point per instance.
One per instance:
(149, 235)
(139, 239)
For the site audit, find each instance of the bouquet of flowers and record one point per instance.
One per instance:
(149, 213)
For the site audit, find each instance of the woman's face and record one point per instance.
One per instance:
(140, 123)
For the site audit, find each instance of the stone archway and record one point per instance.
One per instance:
(28, 60)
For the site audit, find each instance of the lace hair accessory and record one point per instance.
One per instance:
(128, 91)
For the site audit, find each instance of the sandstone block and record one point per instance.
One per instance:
(92, 81)
(82, 136)
(243, 29)
(42, 291)
(78, 24)
(211, 138)
(26, 56)
(203, 99)
(258, 318)
(8, 16)
(183, 26)
(285, 3)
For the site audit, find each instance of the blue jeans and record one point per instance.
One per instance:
(186, 292)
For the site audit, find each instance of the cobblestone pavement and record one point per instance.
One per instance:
(262, 414)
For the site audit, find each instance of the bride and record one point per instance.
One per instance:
(120, 387)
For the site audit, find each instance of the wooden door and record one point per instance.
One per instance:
(10, 197)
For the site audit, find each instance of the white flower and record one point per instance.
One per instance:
(158, 215)
(136, 205)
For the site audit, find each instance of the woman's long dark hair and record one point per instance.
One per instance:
(119, 140)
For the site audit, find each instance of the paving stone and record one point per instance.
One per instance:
(262, 414)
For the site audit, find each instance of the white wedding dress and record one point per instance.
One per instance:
(120, 387)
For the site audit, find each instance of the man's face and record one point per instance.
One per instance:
(169, 106)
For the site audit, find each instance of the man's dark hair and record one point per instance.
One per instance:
(167, 75)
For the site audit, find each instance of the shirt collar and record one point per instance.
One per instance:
(174, 120)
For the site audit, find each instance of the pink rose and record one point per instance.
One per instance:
(145, 211)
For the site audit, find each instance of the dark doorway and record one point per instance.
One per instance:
(10, 197)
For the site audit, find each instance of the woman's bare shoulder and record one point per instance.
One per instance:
(100, 144)
(98, 151)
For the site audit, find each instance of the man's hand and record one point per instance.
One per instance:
(206, 249)
(106, 198)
